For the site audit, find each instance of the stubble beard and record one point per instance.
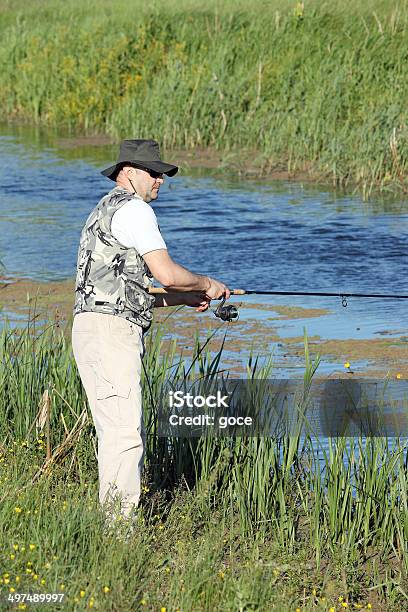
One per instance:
(152, 194)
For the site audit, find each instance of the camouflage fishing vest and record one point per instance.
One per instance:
(111, 278)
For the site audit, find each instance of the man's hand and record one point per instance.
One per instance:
(196, 299)
(217, 290)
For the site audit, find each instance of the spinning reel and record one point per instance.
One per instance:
(226, 313)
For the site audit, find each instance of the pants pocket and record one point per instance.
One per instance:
(108, 388)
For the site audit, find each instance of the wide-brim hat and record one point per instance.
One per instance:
(143, 154)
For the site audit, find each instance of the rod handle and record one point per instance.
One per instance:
(159, 290)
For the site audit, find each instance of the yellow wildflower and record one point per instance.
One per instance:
(62, 587)
(43, 581)
(299, 9)
(398, 375)
(369, 606)
(143, 602)
(347, 364)
(17, 579)
(82, 593)
(15, 546)
(12, 557)
(32, 546)
(12, 590)
(91, 602)
(106, 589)
(163, 609)
(17, 509)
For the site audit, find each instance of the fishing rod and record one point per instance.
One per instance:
(230, 312)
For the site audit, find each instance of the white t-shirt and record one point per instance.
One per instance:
(135, 225)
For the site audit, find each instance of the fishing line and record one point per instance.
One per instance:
(341, 295)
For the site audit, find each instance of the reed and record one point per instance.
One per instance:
(224, 522)
(304, 87)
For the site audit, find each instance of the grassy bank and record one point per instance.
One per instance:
(305, 86)
(231, 524)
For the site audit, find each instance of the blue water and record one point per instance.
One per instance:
(253, 234)
(248, 233)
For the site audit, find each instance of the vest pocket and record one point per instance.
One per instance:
(137, 298)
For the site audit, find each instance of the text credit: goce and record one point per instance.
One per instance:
(205, 420)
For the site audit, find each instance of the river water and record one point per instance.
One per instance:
(253, 234)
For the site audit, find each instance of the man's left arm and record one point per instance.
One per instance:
(195, 299)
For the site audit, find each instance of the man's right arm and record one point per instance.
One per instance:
(177, 278)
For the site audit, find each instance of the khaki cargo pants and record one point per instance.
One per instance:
(108, 351)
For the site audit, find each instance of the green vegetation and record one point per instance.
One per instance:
(224, 523)
(306, 87)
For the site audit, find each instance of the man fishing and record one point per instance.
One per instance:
(121, 249)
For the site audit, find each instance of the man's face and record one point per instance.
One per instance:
(147, 183)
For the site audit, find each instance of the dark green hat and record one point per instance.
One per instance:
(143, 154)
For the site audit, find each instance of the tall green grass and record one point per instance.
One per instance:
(294, 86)
(224, 523)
